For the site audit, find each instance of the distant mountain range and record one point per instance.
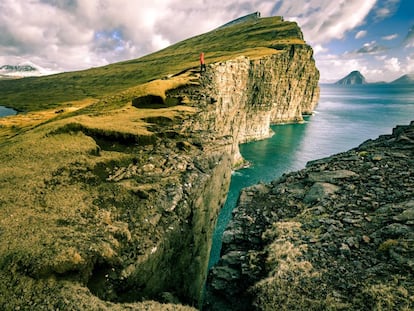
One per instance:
(26, 69)
(356, 78)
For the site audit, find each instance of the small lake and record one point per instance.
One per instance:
(345, 117)
(4, 111)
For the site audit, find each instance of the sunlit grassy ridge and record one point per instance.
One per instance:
(111, 113)
(253, 39)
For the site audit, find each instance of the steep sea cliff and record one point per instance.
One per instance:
(118, 217)
(241, 98)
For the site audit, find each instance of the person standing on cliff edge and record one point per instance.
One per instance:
(202, 63)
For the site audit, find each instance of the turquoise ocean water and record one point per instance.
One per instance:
(345, 117)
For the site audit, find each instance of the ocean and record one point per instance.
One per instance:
(345, 117)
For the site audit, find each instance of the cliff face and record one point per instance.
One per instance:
(241, 98)
(236, 102)
(336, 235)
(119, 217)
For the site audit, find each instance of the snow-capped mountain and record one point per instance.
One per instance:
(26, 69)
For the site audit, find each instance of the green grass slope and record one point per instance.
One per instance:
(64, 216)
(253, 38)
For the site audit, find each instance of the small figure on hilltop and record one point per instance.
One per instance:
(202, 63)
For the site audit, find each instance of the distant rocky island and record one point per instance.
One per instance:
(356, 78)
(405, 79)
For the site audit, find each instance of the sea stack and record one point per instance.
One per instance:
(355, 77)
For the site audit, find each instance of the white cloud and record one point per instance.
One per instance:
(324, 20)
(371, 48)
(383, 12)
(77, 34)
(390, 37)
(378, 68)
(360, 34)
(70, 34)
(386, 8)
(409, 63)
(380, 57)
(317, 49)
(409, 39)
(158, 42)
(392, 64)
(336, 67)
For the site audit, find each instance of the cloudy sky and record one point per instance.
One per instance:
(375, 37)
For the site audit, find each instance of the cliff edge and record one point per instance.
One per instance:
(109, 202)
(337, 235)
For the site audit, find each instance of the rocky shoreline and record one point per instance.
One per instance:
(337, 235)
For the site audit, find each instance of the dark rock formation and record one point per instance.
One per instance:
(355, 77)
(336, 235)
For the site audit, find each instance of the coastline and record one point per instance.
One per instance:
(341, 227)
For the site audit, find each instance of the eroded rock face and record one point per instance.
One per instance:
(241, 98)
(336, 235)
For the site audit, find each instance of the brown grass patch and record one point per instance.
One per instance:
(13, 125)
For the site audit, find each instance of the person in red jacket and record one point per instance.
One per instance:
(202, 63)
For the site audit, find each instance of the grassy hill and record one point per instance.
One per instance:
(61, 204)
(252, 38)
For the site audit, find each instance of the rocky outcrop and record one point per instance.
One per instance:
(335, 235)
